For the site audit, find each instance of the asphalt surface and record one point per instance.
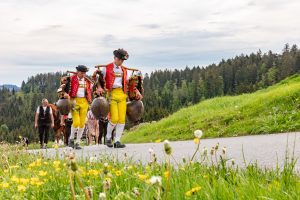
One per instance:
(265, 150)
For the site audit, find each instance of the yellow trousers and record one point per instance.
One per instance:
(79, 111)
(117, 106)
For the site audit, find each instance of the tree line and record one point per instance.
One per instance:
(166, 91)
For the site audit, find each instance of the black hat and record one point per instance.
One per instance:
(82, 68)
(121, 54)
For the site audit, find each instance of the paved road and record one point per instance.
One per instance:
(267, 150)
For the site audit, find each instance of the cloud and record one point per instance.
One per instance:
(45, 36)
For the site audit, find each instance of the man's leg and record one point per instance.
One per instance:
(75, 125)
(114, 117)
(83, 104)
(47, 128)
(121, 123)
(41, 133)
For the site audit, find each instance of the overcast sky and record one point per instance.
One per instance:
(39, 36)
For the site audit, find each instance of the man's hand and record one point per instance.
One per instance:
(100, 91)
(52, 125)
(35, 125)
(66, 96)
(138, 96)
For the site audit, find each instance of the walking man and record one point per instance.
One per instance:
(43, 121)
(115, 76)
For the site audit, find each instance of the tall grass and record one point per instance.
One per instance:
(26, 176)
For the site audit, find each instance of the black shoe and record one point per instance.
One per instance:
(109, 143)
(77, 146)
(71, 143)
(119, 145)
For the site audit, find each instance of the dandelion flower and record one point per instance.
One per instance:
(198, 134)
(196, 140)
(155, 180)
(118, 173)
(167, 174)
(102, 196)
(151, 151)
(21, 188)
(192, 191)
(93, 172)
(42, 173)
(4, 185)
(93, 159)
(158, 141)
(142, 177)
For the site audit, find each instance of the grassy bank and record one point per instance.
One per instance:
(271, 110)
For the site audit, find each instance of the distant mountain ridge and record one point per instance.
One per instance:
(10, 87)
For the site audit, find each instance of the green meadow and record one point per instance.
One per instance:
(271, 110)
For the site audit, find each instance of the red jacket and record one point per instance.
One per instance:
(110, 77)
(75, 86)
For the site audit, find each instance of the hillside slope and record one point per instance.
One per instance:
(271, 110)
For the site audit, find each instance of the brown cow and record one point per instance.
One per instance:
(58, 128)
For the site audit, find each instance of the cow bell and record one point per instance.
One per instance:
(100, 107)
(64, 106)
(135, 110)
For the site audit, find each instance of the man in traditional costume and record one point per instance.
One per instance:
(116, 80)
(80, 95)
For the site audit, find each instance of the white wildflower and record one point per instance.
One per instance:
(198, 133)
(155, 180)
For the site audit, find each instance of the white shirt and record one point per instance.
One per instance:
(118, 76)
(38, 110)
(81, 89)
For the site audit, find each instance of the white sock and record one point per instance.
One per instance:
(79, 135)
(110, 128)
(119, 132)
(73, 131)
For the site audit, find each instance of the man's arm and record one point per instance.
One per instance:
(36, 120)
(52, 118)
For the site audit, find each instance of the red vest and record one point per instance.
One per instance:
(75, 86)
(110, 77)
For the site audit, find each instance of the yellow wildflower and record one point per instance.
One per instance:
(118, 173)
(4, 185)
(196, 140)
(42, 173)
(15, 179)
(158, 141)
(167, 174)
(57, 169)
(21, 188)
(142, 177)
(23, 181)
(192, 191)
(36, 181)
(93, 172)
(56, 163)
